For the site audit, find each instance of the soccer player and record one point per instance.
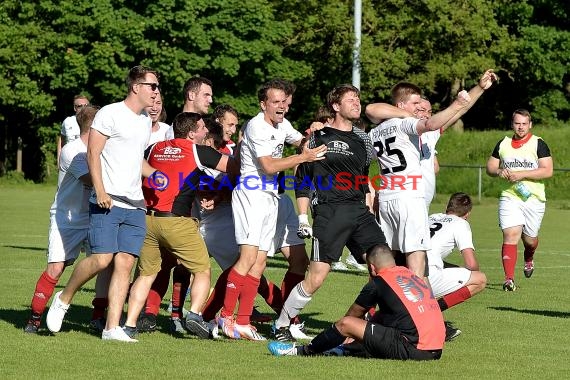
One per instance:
(227, 116)
(340, 213)
(402, 205)
(69, 217)
(171, 229)
(449, 230)
(70, 129)
(254, 204)
(523, 161)
(408, 326)
(115, 155)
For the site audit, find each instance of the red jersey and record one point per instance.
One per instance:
(183, 163)
(407, 304)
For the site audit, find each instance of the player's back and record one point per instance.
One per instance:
(447, 232)
(398, 157)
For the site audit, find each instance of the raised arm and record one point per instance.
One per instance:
(377, 112)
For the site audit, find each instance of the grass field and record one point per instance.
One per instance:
(517, 335)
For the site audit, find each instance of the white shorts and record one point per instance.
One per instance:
(217, 229)
(286, 227)
(255, 217)
(515, 212)
(447, 280)
(404, 222)
(65, 244)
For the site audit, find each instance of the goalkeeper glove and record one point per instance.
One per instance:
(305, 231)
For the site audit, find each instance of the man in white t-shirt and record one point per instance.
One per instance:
(254, 202)
(403, 211)
(118, 138)
(453, 285)
(70, 128)
(69, 217)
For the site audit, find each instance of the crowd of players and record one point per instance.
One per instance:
(170, 219)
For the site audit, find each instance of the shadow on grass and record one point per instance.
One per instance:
(76, 319)
(25, 248)
(544, 313)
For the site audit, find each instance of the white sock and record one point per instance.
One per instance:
(296, 301)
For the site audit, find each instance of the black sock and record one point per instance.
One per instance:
(330, 338)
(442, 304)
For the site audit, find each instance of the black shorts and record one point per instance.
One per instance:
(388, 343)
(339, 225)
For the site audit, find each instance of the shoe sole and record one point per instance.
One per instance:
(195, 328)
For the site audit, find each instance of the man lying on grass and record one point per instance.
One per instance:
(408, 325)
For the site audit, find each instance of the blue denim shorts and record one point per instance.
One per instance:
(116, 230)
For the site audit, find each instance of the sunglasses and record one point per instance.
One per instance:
(153, 86)
(79, 106)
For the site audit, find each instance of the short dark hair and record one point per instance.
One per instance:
(215, 132)
(277, 84)
(80, 96)
(222, 109)
(184, 123)
(85, 117)
(193, 85)
(336, 94)
(323, 114)
(403, 90)
(138, 73)
(459, 204)
(522, 112)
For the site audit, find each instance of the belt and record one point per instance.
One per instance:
(162, 214)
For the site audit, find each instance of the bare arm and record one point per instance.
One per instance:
(469, 259)
(356, 311)
(543, 171)
(377, 112)
(97, 142)
(303, 205)
(60, 144)
(494, 168)
(272, 165)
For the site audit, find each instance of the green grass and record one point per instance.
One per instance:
(505, 335)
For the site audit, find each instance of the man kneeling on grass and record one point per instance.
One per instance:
(408, 325)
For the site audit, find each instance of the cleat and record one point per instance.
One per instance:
(249, 332)
(282, 349)
(282, 334)
(32, 326)
(214, 331)
(528, 268)
(227, 325)
(451, 332)
(117, 333)
(196, 325)
(339, 266)
(56, 313)
(176, 326)
(97, 325)
(297, 331)
(146, 323)
(132, 332)
(351, 261)
(509, 286)
(258, 317)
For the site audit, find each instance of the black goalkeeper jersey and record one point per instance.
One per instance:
(342, 177)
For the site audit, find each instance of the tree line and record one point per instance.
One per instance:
(52, 50)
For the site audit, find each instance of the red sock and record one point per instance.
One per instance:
(180, 284)
(509, 256)
(247, 299)
(290, 280)
(529, 251)
(99, 307)
(456, 297)
(153, 303)
(43, 292)
(158, 291)
(270, 293)
(234, 284)
(216, 299)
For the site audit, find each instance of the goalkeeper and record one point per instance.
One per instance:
(340, 213)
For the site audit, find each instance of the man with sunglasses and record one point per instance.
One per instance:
(115, 154)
